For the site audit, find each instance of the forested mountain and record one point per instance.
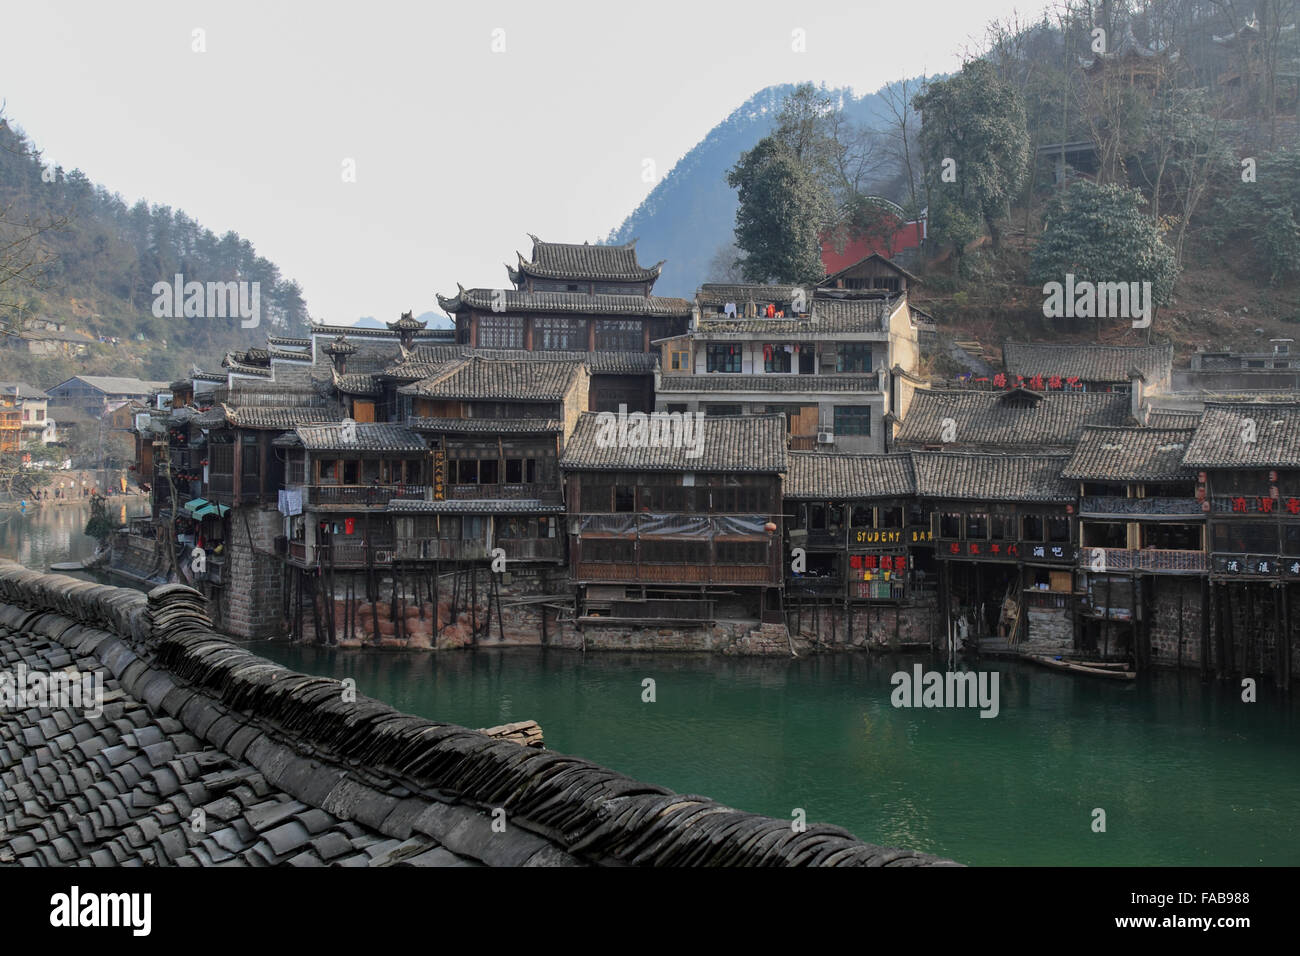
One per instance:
(88, 260)
(690, 215)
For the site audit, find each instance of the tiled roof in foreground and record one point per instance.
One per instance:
(205, 754)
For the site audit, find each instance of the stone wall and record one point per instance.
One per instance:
(1165, 617)
(1048, 630)
(870, 626)
(250, 604)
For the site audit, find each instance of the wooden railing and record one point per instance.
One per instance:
(678, 573)
(1115, 505)
(546, 492)
(368, 496)
(532, 549)
(440, 549)
(1108, 560)
(357, 554)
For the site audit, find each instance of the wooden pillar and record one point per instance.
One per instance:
(1284, 653)
(1225, 625)
(1205, 627)
(1278, 636)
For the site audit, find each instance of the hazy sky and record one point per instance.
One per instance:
(459, 151)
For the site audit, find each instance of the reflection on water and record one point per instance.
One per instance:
(1186, 772)
(49, 533)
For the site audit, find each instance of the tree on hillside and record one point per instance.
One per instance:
(975, 151)
(1101, 234)
(783, 208)
(1264, 215)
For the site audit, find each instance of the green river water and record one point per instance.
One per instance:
(1186, 772)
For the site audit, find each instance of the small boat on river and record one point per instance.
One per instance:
(1108, 669)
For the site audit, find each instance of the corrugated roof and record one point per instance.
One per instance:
(118, 385)
(1264, 435)
(1130, 454)
(1015, 418)
(815, 475)
(749, 443)
(974, 477)
(1089, 363)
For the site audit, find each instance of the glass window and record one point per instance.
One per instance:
(624, 496)
(514, 471)
(1000, 527)
(949, 525)
(1058, 528)
(863, 516)
(775, 358)
(559, 333)
(679, 359)
(722, 358)
(977, 526)
(614, 335)
(852, 419)
(1033, 528)
(500, 332)
(853, 357)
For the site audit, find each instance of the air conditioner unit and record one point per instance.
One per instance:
(383, 557)
(142, 421)
(825, 438)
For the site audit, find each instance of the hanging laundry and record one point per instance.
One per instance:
(349, 525)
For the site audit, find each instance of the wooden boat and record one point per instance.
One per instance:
(1113, 671)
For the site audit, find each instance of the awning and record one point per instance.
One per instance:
(211, 509)
(195, 504)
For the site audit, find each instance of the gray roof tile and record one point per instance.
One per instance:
(1089, 363)
(1130, 454)
(751, 443)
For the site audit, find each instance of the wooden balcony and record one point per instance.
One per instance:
(363, 496)
(532, 549)
(356, 554)
(751, 574)
(1139, 507)
(548, 493)
(440, 549)
(1145, 561)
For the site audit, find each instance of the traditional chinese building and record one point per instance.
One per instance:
(1093, 368)
(1142, 558)
(839, 365)
(867, 568)
(1247, 462)
(577, 298)
(1005, 545)
(670, 532)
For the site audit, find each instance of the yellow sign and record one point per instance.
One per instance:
(439, 470)
(880, 537)
(922, 535)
